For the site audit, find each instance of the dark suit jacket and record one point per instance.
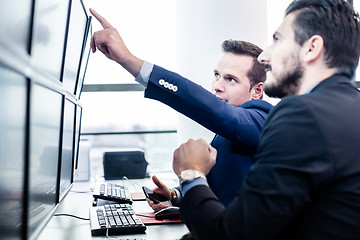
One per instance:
(238, 128)
(305, 183)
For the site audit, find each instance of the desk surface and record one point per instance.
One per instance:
(79, 200)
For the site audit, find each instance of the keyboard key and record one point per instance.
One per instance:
(112, 192)
(115, 219)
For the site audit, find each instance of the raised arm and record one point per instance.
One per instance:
(110, 43)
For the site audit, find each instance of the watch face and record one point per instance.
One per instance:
(187, 174)
(190, 174)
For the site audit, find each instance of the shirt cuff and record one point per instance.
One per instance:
(145, 71)
(178, 194)
(198, 181)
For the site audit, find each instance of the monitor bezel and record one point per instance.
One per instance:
(80, 79)
(62, 194)
(73, 90)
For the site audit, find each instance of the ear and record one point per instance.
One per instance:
(257, 91)
(313, 48)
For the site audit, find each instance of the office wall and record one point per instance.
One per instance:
(202, 26)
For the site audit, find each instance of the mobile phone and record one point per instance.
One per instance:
(153, 196)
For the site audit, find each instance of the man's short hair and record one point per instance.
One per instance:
(336, 22)
(257, 72)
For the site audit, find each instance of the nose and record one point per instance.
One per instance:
(218, 85)
(264, 56)
(261, 58)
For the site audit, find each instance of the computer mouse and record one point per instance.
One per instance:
(168, 213)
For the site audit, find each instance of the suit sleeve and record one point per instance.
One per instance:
(192, 100)
(280, 184)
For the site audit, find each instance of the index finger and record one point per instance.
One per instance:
(102, 20)
(158, 182)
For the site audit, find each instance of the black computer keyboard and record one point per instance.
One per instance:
(113, 192)
(115, 219)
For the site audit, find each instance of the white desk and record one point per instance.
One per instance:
(77, 203)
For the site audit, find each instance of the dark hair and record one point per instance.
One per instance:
(336, 22)
(257, 73)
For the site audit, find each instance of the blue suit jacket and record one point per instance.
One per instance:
(237, 128)
(305, 183)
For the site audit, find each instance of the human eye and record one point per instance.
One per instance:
(275, 38)
(231, 80)
(217, 75)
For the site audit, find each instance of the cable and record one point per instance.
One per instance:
(70, 215)
(124, 178)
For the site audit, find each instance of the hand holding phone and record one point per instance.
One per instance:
(153, 196)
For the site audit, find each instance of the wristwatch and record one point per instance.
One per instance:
(189, 175)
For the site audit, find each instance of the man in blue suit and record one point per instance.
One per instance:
(235, 112)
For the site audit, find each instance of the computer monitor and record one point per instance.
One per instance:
(48, 37)
(15, 23)
(85, 58)
(74, 43)
(44, 151)
(13, 121)
(66, 164)
(78, 117)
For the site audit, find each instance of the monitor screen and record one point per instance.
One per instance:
(85, 58)
(77, 27)
(15, 23)
(66, 168)
(49, 28)
(44, 141)
(77, 136)
(13, 98)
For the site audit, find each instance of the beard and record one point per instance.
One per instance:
(285, 85)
